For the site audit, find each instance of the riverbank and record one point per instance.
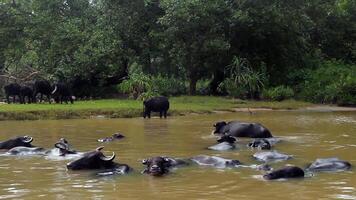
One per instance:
(118, 108)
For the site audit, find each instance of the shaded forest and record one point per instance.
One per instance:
(250, 49)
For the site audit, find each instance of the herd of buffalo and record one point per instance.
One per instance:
(227, 133)
(60, 92)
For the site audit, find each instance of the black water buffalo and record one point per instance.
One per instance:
(26, 92)
(285, 172)
(23, 141)
(159, 165)
(42, 87)
(12, 89)
(62, 92)
(271, 156)
(329, 164)
(242, 129)
(260, 143)
(115, 136)
(156, 104)
(97, 160)
(226, 142)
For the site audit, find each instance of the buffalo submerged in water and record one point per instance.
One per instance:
(62, 149)
(242, 129)
(20, 141)
(96, 160)
(328, 165)
(285, 173)
(160, 165)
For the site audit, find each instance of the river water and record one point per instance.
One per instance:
(305, 135)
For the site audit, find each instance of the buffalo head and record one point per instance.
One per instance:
(219, 126)
(157, 166)
(64, 147)
(227, 138)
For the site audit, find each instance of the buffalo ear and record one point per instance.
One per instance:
(214, 125)
(145, 161)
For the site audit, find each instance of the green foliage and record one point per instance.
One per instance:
(142, 86)
(167, 86)
(243, 82)
(278, 93)
(137, 84)
(195, 40)
(333, 82)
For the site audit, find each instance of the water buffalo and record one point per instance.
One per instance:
(242, 129)
(285, 172)
(260, 143)
(62, 92)
(12, 89)
(23, 141)
(42, 87)
(26, 91)
(158, 166)
(216, 162)
(115, 136)
(97, 160)
(271, 156)
(62, 148)
(156, 104)
(24, 151)
(226, 142)
(329, 164)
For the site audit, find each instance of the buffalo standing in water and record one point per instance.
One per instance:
(158, 166)
(21, 141)
(285, 172)
(97, 160)
(242, 129)
(156, 104)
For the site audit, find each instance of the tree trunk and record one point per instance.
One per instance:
(192, 86)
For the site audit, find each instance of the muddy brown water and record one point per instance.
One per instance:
(305, 135)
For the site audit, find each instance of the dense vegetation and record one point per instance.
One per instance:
(269, 49)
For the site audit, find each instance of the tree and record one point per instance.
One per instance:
(196, 32)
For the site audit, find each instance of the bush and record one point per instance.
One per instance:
(278, 93)
(203, 87)
(333, 82)
(142, 86)
(167, 86)
(243, 81)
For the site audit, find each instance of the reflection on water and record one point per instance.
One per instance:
(305, 135)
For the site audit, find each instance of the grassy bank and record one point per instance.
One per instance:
(116, 108)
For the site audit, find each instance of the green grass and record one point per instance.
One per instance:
(116, 108)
